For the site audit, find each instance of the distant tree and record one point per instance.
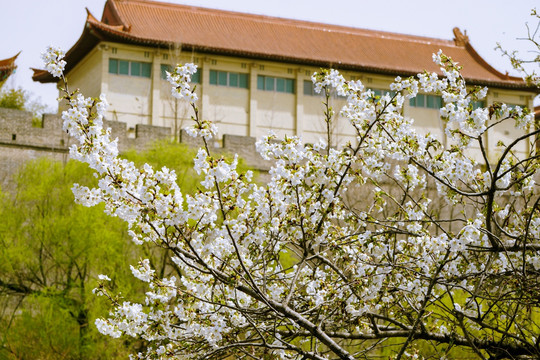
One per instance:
(52, 251)
(20, 99)
(13, 99)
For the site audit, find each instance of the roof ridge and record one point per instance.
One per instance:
(301, 23)
(231, 33)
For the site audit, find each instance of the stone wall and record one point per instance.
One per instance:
(20, 141)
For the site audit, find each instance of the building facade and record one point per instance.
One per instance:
(254, 72)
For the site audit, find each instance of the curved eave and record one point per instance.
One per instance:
(7, 66)
(9, 63)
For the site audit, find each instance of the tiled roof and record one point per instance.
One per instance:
(159, 24)
(6, 67)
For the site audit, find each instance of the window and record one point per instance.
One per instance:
(309, 89)
(477, 104)
(231, 79)
(513, 106)
(379, 93)
(195, 78)
(132, 68)
(270, 83)
(426, 101)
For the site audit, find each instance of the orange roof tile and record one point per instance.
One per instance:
(159, 24)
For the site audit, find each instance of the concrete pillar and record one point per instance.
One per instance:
(299, 109)
(104, 88)
(155, 95)
(105, 55)
(204, 110)
(252, 116)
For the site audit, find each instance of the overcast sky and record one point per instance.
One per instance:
(29, 25)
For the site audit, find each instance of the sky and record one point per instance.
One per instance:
(31, 25)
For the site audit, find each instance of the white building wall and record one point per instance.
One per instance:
(245, 112)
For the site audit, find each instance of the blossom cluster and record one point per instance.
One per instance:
(341, 245)
(54, 61)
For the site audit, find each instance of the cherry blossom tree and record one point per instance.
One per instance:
(527, 65)
(393, 244)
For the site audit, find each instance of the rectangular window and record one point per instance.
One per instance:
(213, 77)
(146, 69)
(433, 102)
(280, 84)
(289, 86)
(308, 87)
(164, 70)
(233, 79)
(477, 104)
(123, 67)
(113, 66)
(133, 68)
(270, 83)
(195, 78)
(426, 101)
(243, 81)
(225, 78)
(222, 78)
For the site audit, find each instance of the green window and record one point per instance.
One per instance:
(123, 67)
(477, 104)
(222, 78)
(379, 93)
(433, 102)
(280, 84)
(146, 69)
(133, 68)
(289, 86)
(113, 66)
(270, 83)
(426, 101)
(308, 88)
(164, 69)
(243, 81)
(233, 79)
(225, 78)
(195, 78)
(213, 77)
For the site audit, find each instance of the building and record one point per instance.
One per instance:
(7, 67)
(254, 71)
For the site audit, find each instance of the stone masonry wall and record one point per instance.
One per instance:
(20, 141)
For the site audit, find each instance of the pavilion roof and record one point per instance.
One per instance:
(7, 66)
